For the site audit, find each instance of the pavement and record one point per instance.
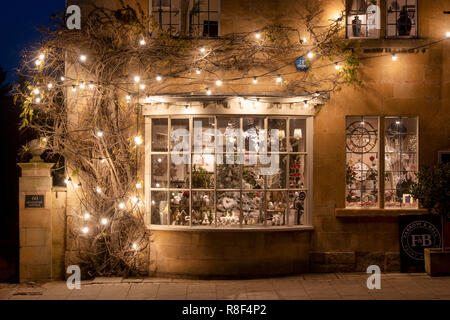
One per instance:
(335, 286)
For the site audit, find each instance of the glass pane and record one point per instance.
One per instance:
(228, 134)
(159, 171)
(252, 177)
(297, 135)
(276, 175)
(203, 213)
(179, 135)
(159, 135)
(363, 18)
(179, 208)
(228, 209)
(280, 125)
(159, 208)
(204, 135)
(297, 208)
(228, 176)
(179, 174)
(253, 208)
(402, 18)
(297, 171)
(276, 208)
(401, 161)
(252, 129)
(362, 162)
(202, 171)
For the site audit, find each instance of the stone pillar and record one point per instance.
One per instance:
(35, 221)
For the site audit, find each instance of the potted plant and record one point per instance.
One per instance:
(433, 192)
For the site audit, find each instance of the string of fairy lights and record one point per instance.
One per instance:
(138, 81)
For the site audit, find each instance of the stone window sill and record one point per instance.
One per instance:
(377, 213)
(229, 229)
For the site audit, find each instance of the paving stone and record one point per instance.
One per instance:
(114, 291)
(143, 291)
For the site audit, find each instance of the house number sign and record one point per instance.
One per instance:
(34, 201)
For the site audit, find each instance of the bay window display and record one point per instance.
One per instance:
(362, 162)
(216, 171)
(363, 18)
(401, 18)
(401, 146)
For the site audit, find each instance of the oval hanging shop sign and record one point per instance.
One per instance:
(300, 64)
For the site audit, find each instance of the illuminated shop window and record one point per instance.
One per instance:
(401, 153)
(362, 143)
(196, 18)
(401, 18)
(363, 173)
(363, 18)
(207, 171)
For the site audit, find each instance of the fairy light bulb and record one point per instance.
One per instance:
(305, 40)
(202, 50)
(138, 185)
(41, 56)
(257, 35)
(208, 91)
(122, 205)
(83, 58)
(310, 54)
(38, 62)
(447, 34)
(87, 216)
(394, 57)
(137, 79)
(142, 86)
(91, 85)
(74, 89)
(67, 180)
(85, 230)
(279, 79)
(44, 139)
(104, 221)
(134, 246)
(337, 66)
(255, 80)
(99, 134)
(198, 71)
(82, 86)
(158, 78)
(219, 83)
(50, 85)
(63, 79)
(138, 140)
(99, 190)
(36, 91)
(134, 200)
(306, 104)
(142, 42)
(38, 100)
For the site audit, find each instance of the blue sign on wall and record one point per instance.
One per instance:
(301, 64)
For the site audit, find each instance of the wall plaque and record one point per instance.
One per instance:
(34, 201)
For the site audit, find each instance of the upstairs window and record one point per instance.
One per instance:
(363, 18)
(195, 18)
(401, 18)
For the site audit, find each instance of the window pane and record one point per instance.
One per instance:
(203, 213)
(297, 134)
(159, 171)
(276, 171)
(202, 171)
(276, 208)
(204, 135)
(297, 170)
(401, 18)
(280, 125)
(400, 161)
(362, 162)
(297, 206)
(252, 177)
(363, 18)
(253, 128)
(228, 176)
(228, 209)
(253, 208)
(179, 208)
(180, 138)
(228, 134)
(159, 208)
(179, 174)
(159, 135)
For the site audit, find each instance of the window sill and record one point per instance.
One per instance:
(230, 229)
(377, 213)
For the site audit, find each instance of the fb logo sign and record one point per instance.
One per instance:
(73, 20)
(74, 281)
(374, 281)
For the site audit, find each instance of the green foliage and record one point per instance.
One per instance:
(433, 188)
(200, 177)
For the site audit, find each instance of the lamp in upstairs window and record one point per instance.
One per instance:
(298, 134)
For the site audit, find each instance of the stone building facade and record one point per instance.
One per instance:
(343, 228)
